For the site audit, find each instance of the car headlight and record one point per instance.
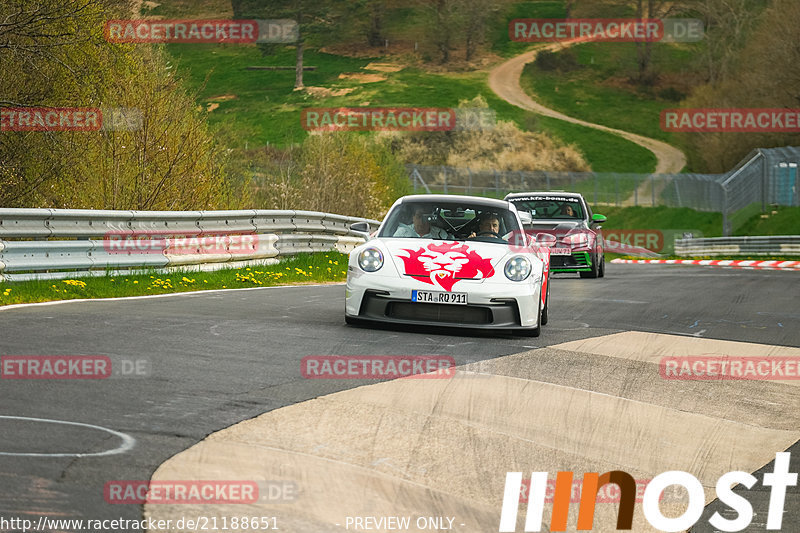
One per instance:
(577, 239)
(370, 260)
(518, 268)
(545, 239)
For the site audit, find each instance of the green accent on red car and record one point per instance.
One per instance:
(583, 260)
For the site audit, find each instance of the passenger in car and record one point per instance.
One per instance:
(420, 227)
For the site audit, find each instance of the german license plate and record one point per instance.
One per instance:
(560, 251)
(434, 297)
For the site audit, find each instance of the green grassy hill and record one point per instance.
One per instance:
(265, 109)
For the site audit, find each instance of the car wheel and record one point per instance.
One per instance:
(546, 305)
(595, 269)
(602, 271)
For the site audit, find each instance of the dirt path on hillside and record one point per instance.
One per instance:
(504, 81)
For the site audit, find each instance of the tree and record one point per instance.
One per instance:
(312, 18)
(727, 24)
(54, 55)
(474, 14)
(750, 81)
(440, 20)
(656, 9)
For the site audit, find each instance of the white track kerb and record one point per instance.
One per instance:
(793, 266)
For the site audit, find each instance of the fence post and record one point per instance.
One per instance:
(616, 188)
(444, 171)
(496, 182)
(764, 188)
(652, 190)
(596, 177)
(469, 188)
(726, 230)
(795, 182)
(635, 193)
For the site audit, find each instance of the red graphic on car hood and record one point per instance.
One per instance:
(446, 264)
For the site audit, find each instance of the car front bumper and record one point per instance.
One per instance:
(491, 304)
(576, 262)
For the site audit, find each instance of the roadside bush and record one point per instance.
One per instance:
(344, 173)
(502, 147)
(563, 61)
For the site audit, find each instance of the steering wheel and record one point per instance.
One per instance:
(488, 233)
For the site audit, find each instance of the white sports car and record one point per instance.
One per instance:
(448, 260)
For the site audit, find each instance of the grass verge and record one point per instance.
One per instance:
(661, 218)
(302, 268)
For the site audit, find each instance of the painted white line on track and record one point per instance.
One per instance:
(128, 442)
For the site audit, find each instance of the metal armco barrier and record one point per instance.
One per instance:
(64, 243)
(769, 245)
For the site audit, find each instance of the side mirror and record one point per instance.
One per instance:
(598, 219)
(525, 217)
(361, 228)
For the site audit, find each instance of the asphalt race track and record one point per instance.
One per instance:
(215, 359)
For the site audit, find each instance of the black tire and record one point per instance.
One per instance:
(532, 332)
(545, 313)
(602, 271)
(595, 269)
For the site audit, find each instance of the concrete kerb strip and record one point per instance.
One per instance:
(441, 447)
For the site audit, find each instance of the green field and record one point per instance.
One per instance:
(596, 88)
(778, 220)
(264, 109)
(661, 218)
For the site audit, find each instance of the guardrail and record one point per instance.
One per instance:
(780, 245)
(63, 243)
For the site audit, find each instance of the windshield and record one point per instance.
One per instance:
(550, 207)
(450, 221)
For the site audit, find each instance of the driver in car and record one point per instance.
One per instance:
(567, 210)
(488, 223)
(420, 227)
